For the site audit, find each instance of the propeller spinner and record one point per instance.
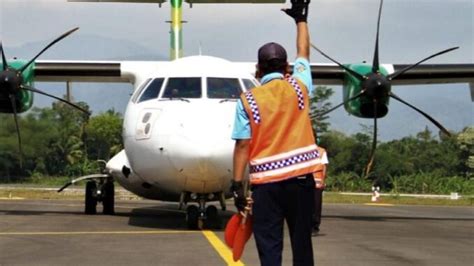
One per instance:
(375, 86)
(12, 84)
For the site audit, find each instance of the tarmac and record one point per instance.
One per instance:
(56, 232)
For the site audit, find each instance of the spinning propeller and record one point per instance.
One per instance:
(12, 84)
(376, 86)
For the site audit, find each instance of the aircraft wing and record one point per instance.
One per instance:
(327, 74)
(190, 1)
(80, 71)
(331, 74)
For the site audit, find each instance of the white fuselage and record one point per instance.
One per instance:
(179, 144)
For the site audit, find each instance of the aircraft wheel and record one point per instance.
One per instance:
(192, 217)
(90, 198)
(212, 220)
(108, 201)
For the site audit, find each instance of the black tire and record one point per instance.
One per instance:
(108, 201)
(192, 217)
(90, 198)
(212, 218)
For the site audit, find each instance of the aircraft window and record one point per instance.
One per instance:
(183, 88)
(140, 89)
(248, 84)
(152, 91)
(223, 88)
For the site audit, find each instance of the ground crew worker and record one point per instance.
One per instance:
(274, 136)
(319, 178)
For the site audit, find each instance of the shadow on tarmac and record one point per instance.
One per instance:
(169, 217)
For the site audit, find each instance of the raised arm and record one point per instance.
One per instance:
(302, 40)
(299, 12)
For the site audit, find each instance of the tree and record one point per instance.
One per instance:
(319, 104)
(104, 135)
(465, 140)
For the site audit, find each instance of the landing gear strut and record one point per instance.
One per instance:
(199, 217)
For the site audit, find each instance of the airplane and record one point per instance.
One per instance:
(178, 122)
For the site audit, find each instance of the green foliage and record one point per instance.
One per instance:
(61, 141)
(465, 140)
(104, 137)
(432, 184)
(320, 104)
(420, 164)
(56, 142)
(348, 182)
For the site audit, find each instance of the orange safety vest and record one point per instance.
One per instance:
(319, 175)
(282, 145)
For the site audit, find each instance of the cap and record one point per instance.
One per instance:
(271, 51)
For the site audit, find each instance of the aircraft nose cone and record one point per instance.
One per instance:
(202, 145)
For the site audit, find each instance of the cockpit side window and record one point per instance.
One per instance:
(140, 90)
(223, 88)
(183, 88)
(248, 84)
(152, 90)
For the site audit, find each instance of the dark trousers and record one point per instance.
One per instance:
(291, 200)
(318, 207)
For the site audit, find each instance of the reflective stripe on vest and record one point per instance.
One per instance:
(282, 145)
(319, 175)
(298, 90)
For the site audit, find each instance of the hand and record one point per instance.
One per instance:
(240, 200)
(298, 10)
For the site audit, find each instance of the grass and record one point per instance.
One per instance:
(329, 197)
(27, 193)
(333, 197)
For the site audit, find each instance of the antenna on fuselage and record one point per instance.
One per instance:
(200, 48)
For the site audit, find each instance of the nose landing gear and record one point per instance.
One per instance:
(200, 217)
(100, 192)
(99, 188)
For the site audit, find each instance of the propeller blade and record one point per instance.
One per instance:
(4, 60)
(339, 105)
(47, 47)
(15, 116)
(374, 142)
(436, 123)
(376, 63)
(396, 74)
(355, 74)
(57, 98)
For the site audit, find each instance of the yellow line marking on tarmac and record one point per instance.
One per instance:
(153, 232)
(379, 204)
(221, 248)
(11, 198)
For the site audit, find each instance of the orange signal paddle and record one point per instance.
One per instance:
(231, 229)
(242, 235)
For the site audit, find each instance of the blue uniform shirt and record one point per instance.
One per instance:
(301, 71)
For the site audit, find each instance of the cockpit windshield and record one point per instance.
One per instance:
(223, 88)
(183, 88)
(152, 91)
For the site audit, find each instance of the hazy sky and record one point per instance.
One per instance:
(344, 29)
